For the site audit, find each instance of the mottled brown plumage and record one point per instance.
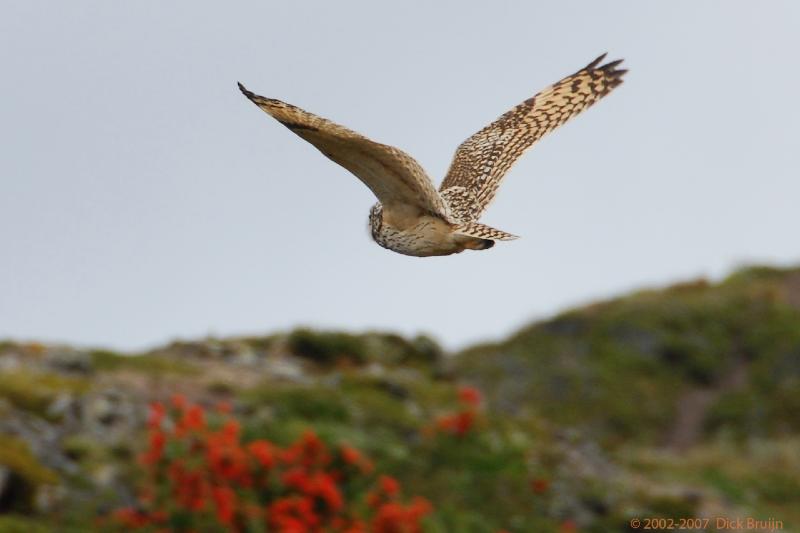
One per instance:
(412, 217)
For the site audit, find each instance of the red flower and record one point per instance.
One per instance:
(313, 450)
(350, 455)
(180, 402)
(190, 487)
(393, 517)
(296, 478)
(230, 430)
(389, 486)
(155, 452)
(130, 517)
(227, 460)
(225, 407)
(299, 489)
(193, 420)
(353, 457)
(539, 485)
(387, 489)
(324, 488)
(568, 526)
(470, 396)
(263, 451)
(356, 526)
(320, 486)
(458, 424)
(464, 422)
(225, 500)
(292, 515)
(157, 413)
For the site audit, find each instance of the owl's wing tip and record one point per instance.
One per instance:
(596, 61)
(244, 90)
(609, 68)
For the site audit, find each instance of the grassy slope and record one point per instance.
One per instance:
(696, 385)
(671, 402)
(619, 369)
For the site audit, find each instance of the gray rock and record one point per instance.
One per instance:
(110, 415)
(68, 360)
(42, 438)
(65, 408)
(9, 362)
(286, 368)
(49, 497)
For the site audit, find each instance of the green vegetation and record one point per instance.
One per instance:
(35, 391)
(619, 368)
(336, 347)
(660, 403)
(21, 524)
(324, 347)
(105, 361)
(26, 473)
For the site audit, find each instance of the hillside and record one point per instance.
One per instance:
(665, 367)
(678, 402)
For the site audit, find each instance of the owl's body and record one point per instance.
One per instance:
(412, 217)
(420, 234)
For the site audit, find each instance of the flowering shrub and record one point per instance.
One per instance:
(202, 477)
(462, 421)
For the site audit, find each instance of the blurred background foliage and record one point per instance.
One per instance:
(679, 402)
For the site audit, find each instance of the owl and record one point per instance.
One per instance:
(411, 216)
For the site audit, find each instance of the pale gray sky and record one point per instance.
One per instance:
(142, 198)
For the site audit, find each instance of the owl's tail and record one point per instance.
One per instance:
(482, 231)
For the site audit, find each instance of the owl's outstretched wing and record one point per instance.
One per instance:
(394, 176)
(482, 160)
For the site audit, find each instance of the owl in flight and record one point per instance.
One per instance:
(411, 216)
